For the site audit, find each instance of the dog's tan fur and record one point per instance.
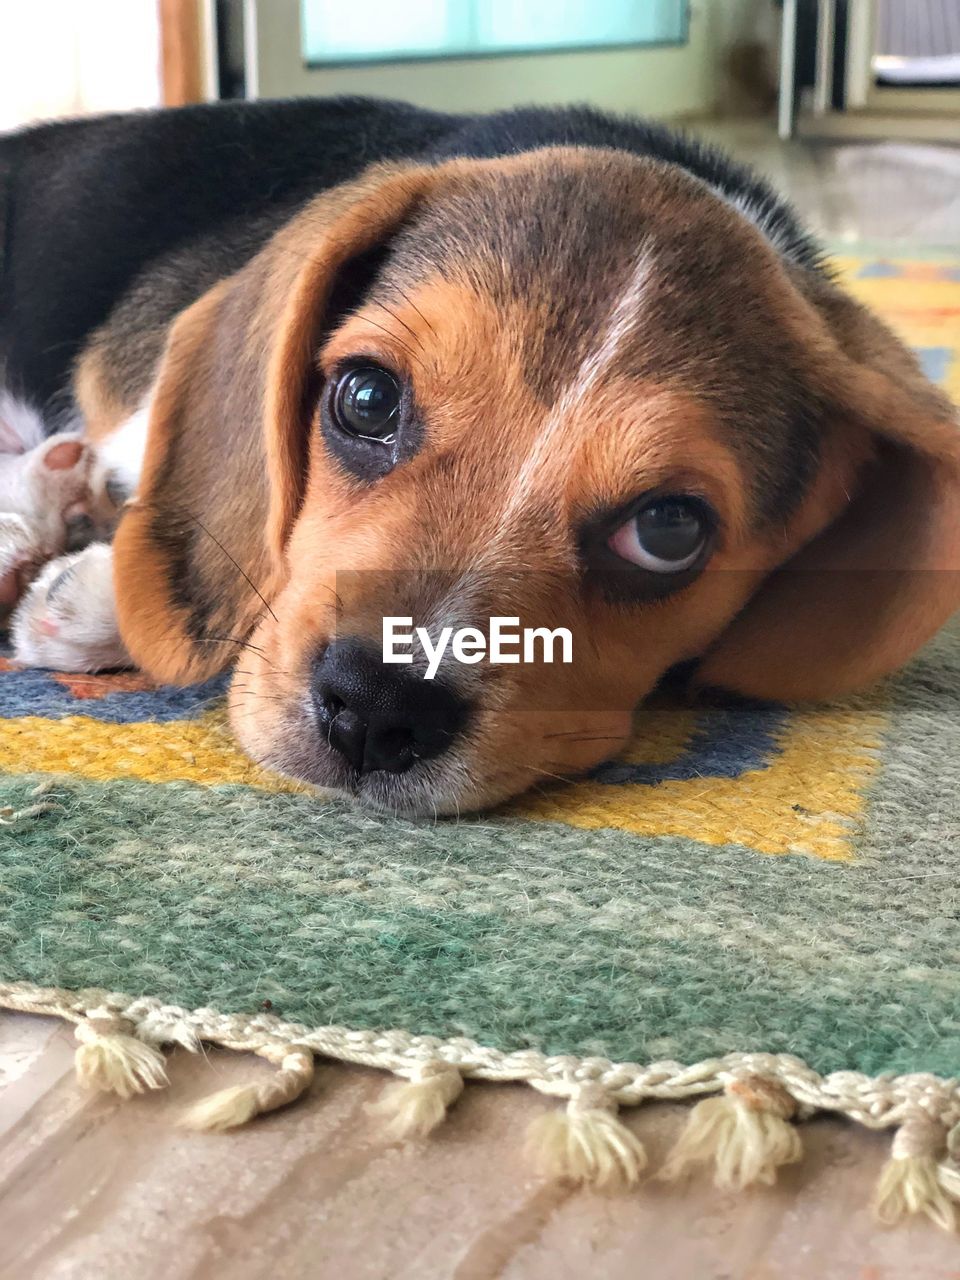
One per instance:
(518, 453)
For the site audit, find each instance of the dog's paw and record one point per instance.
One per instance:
(67, 620)
(65, 493)
(72, 495)
(60, 496)
(16, 553)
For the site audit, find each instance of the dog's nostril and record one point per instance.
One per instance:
(332, 705)
(347, 733)
(379, 718)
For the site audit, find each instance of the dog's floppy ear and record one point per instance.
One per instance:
(230, 412)
(859, 599)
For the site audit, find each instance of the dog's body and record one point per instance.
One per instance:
(600, 337)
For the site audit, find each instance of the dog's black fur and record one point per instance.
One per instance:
(86, 206)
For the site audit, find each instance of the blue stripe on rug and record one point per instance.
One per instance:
(730, 742)
(39, 693)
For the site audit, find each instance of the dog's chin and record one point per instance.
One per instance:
(425, 790)
(432, 788)
(446, 787)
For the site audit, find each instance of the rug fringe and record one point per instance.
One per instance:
(230, 1108)
(917, 1179)
(10, 817)
(586, 1143)
(415, 1106)
(747, 1133)
(110, 1058)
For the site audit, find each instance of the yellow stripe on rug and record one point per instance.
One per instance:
(201, 751)
(807, 798)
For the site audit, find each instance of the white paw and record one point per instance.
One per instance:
(59, 496)
(16, 553)
(70, 494)
(67, 619)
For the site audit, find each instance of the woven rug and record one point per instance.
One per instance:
(758, 908)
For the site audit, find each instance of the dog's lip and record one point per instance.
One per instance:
(360, 787)
(363, 791)
(324, 768)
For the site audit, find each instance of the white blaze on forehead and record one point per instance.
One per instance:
(617, 328)
(619, 325)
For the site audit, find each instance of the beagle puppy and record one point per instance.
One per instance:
(316, 364)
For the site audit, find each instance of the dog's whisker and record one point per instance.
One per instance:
(576, 742)
(575, 736)
(189, 515)
(249, 689)
(406, 346)
(309, 257)
(249, 692)
(244, 644)
(330, 728)
(304, 257)
(253, 586)
(335, 594)
(410, 303)
(390, 312)
(523, 764)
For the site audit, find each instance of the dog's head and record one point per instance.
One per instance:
(574, 387)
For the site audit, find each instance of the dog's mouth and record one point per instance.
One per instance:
(486, 760)
(402, 737)
(480, 769)
(393, 743)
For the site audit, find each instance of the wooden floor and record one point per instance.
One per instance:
(95, 1188)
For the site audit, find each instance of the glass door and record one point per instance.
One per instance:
(365, 31)
(646, 56)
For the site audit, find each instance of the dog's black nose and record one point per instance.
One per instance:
(380, 716)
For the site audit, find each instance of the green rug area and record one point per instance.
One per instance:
(762, 880)
(518, 930)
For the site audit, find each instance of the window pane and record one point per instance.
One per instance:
(374, 30)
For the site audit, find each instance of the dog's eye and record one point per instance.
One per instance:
(366, 403)
(668, 535)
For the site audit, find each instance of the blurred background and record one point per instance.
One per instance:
(847, 104)
(871, 65)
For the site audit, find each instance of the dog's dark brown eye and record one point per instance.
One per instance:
(667, 535)
(366, 403)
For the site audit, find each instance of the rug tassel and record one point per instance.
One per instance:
(948, 1175)
(111, 1059)
(586, 1143)
(414, 1107)
(746, 1134)
(233, 1107)
(914, 1180)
